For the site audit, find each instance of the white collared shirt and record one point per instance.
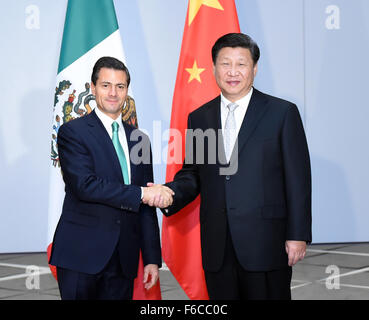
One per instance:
(239, 112)
(107, 122)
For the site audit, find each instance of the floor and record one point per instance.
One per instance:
(328, 272)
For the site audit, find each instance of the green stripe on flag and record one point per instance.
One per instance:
(87, 23)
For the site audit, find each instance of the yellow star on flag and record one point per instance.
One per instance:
(194, 72)
(195, 6)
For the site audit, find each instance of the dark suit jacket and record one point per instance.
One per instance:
(266, 201)
(99, 210)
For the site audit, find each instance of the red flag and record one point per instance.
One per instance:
(206, 21)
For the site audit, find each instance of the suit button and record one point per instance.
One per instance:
(228, 177)
(118, 221)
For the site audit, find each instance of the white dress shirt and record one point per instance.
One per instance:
(107, 122)
(239, 112)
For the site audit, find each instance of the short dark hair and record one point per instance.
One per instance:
(110, 63)
(235, 40)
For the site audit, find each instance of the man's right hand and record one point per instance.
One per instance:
(157, 195)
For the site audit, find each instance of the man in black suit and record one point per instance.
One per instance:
(104, 222)
(255, 211)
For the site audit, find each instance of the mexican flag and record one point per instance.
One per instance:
(206, 21)
(90, 31)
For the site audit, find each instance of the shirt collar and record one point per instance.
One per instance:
(106, 120)
(243, 102)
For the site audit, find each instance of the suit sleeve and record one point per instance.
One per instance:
(79, 175)
(297, 174)
(150, 237)
(186, 182)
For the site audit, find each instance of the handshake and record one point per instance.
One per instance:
(157, 195)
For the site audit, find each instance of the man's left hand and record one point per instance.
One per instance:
(151, 275)
(296, 251)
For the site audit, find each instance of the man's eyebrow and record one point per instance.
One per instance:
(116, 84)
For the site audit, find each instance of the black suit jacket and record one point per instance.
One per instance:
(264, 194)
(100, 212)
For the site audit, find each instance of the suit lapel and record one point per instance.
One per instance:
(215, 122)
(255, 111)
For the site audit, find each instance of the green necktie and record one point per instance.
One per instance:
(120, 152)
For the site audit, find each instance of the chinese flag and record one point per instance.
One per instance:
(206, 21)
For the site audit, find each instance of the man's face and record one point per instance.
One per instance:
(234, 72)
(110, 91)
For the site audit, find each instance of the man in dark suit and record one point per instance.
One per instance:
(255, 211)
(104, 222)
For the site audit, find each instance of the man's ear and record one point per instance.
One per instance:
(93, 88)
(255, 69)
